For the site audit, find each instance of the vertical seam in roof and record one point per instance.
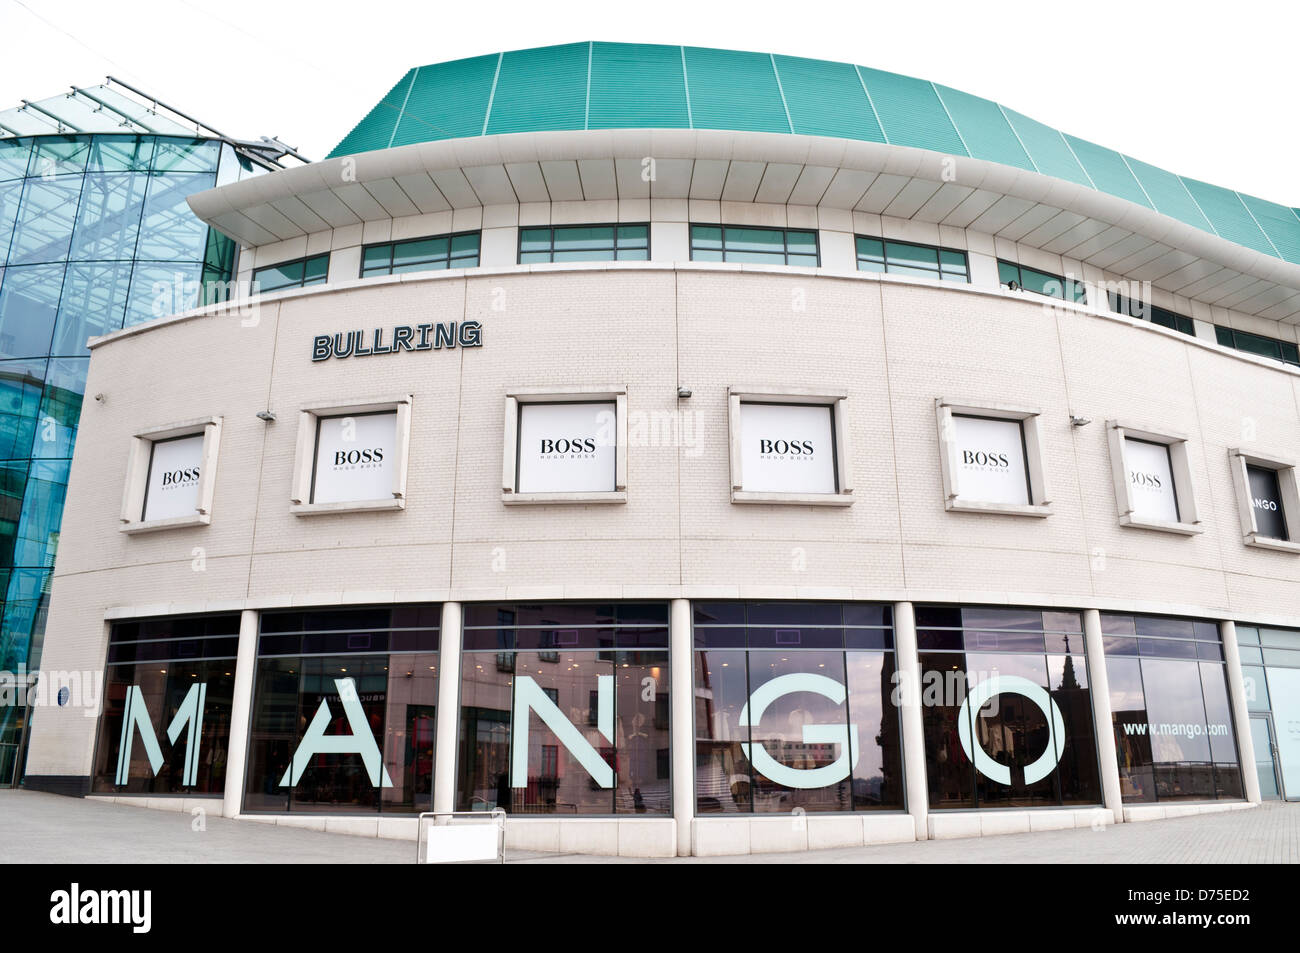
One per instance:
(1082, 168)
(960, 137)
(1257, 225)
(781, 89)
(1150, 201)
(1015, 132)
(857, 69)
(686, 85)
(401, 112)
(586, 116)
(1295, 213)
(1196, 203)
(492, 95)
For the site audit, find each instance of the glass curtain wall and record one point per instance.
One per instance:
(95, 234)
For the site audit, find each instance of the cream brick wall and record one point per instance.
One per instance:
(892, 345)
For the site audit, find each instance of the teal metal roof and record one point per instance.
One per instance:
(638, 86)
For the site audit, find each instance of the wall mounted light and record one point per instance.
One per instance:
(1077, 421)
(683, 392)
(266, 415)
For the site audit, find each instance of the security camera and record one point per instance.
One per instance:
(265, 415)
(683, 393)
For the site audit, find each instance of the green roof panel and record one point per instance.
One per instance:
(541, 89)
(375, 130)
(1047, 148)
(827, 99)
(431, 114)
(637, 86)
(1168, 194)
(1229, 217)
(984, 129)
(1278, 223)
(911, 112)
(731, 90)
(1107, 170)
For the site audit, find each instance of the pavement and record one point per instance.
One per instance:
(47, 828)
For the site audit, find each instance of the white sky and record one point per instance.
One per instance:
(1202, 89)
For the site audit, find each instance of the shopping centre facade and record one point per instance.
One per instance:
(692, 451)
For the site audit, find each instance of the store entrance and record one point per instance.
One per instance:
(1266, 763)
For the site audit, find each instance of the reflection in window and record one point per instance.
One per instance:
(781, 691)
(585, 243)
(772, 246)
(1026, 669)
(1169, 706)
(1285, 351)
(907, 258)
(421, 254)
(578, 761)
(292, 274)
(159, 671)
(1039, 282)
(378, 666)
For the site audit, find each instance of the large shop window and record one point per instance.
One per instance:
(1153, 479)
(171, 476)
(343, 711)
(1006, 708)
(566, 447)
(789, 447)
(1268, 500)
(1169, 704)
(168, 689)
(1270, 667)
(352, 457)
(564, 709)
(795, 708)
(991, 457)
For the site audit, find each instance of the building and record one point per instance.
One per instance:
(95, 235)
(698, 451)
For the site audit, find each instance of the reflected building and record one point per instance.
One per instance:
(95, 235)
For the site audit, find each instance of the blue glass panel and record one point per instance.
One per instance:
(181, 155)
(93, 303)
(169, 230)
(56, 429)
(44, 228)
(11, 194)
(14, 154)
(108, 218)
(23, 619)
(29, 299)
(38, 526)
(159, 289)
(53, 155)
(120, 154)
(13, 481)
(21, 383)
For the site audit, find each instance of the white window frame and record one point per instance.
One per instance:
(594, 394)
(945, 409)
(1189, 519)
(837, 402)
(1287, 488)
(137, 474)
(305, 455)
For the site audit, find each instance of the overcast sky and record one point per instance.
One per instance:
(1202, 89)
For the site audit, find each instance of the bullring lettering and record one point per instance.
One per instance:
(419, 337)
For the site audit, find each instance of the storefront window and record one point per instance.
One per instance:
(794, 708)
(564, 709)
(1272, 687)
(167, 677)
(343, 711)
(1169, 706)
(1006, 708)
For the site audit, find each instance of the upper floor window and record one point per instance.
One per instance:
(1283, 351)
(770, 246)
(585, 243)
(1149, 312)
(292, 274)
(1039, 282)
(421, 254)
(907, 258)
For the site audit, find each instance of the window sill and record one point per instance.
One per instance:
(1266, 542)
(348, 506)
(602, 496)
(1163, 526)
(171, 522)
(796, 499)
(1003, 509)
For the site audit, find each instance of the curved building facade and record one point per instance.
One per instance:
(690, 451)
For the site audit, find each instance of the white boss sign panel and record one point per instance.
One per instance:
(990, 460)
(1150, 480)
(787, 448)
(354, 458)
(567, 448)
(173, 487)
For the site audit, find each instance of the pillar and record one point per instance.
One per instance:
(1240, 711)
(447, 717)
(682, 693)
(1102, 724)
(909, 698)
(241, 709)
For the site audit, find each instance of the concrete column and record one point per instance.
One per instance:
(447, 717)
(682, 693)
(241, 709)
(1240, 711)
(1102, 727)
(909, 696)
